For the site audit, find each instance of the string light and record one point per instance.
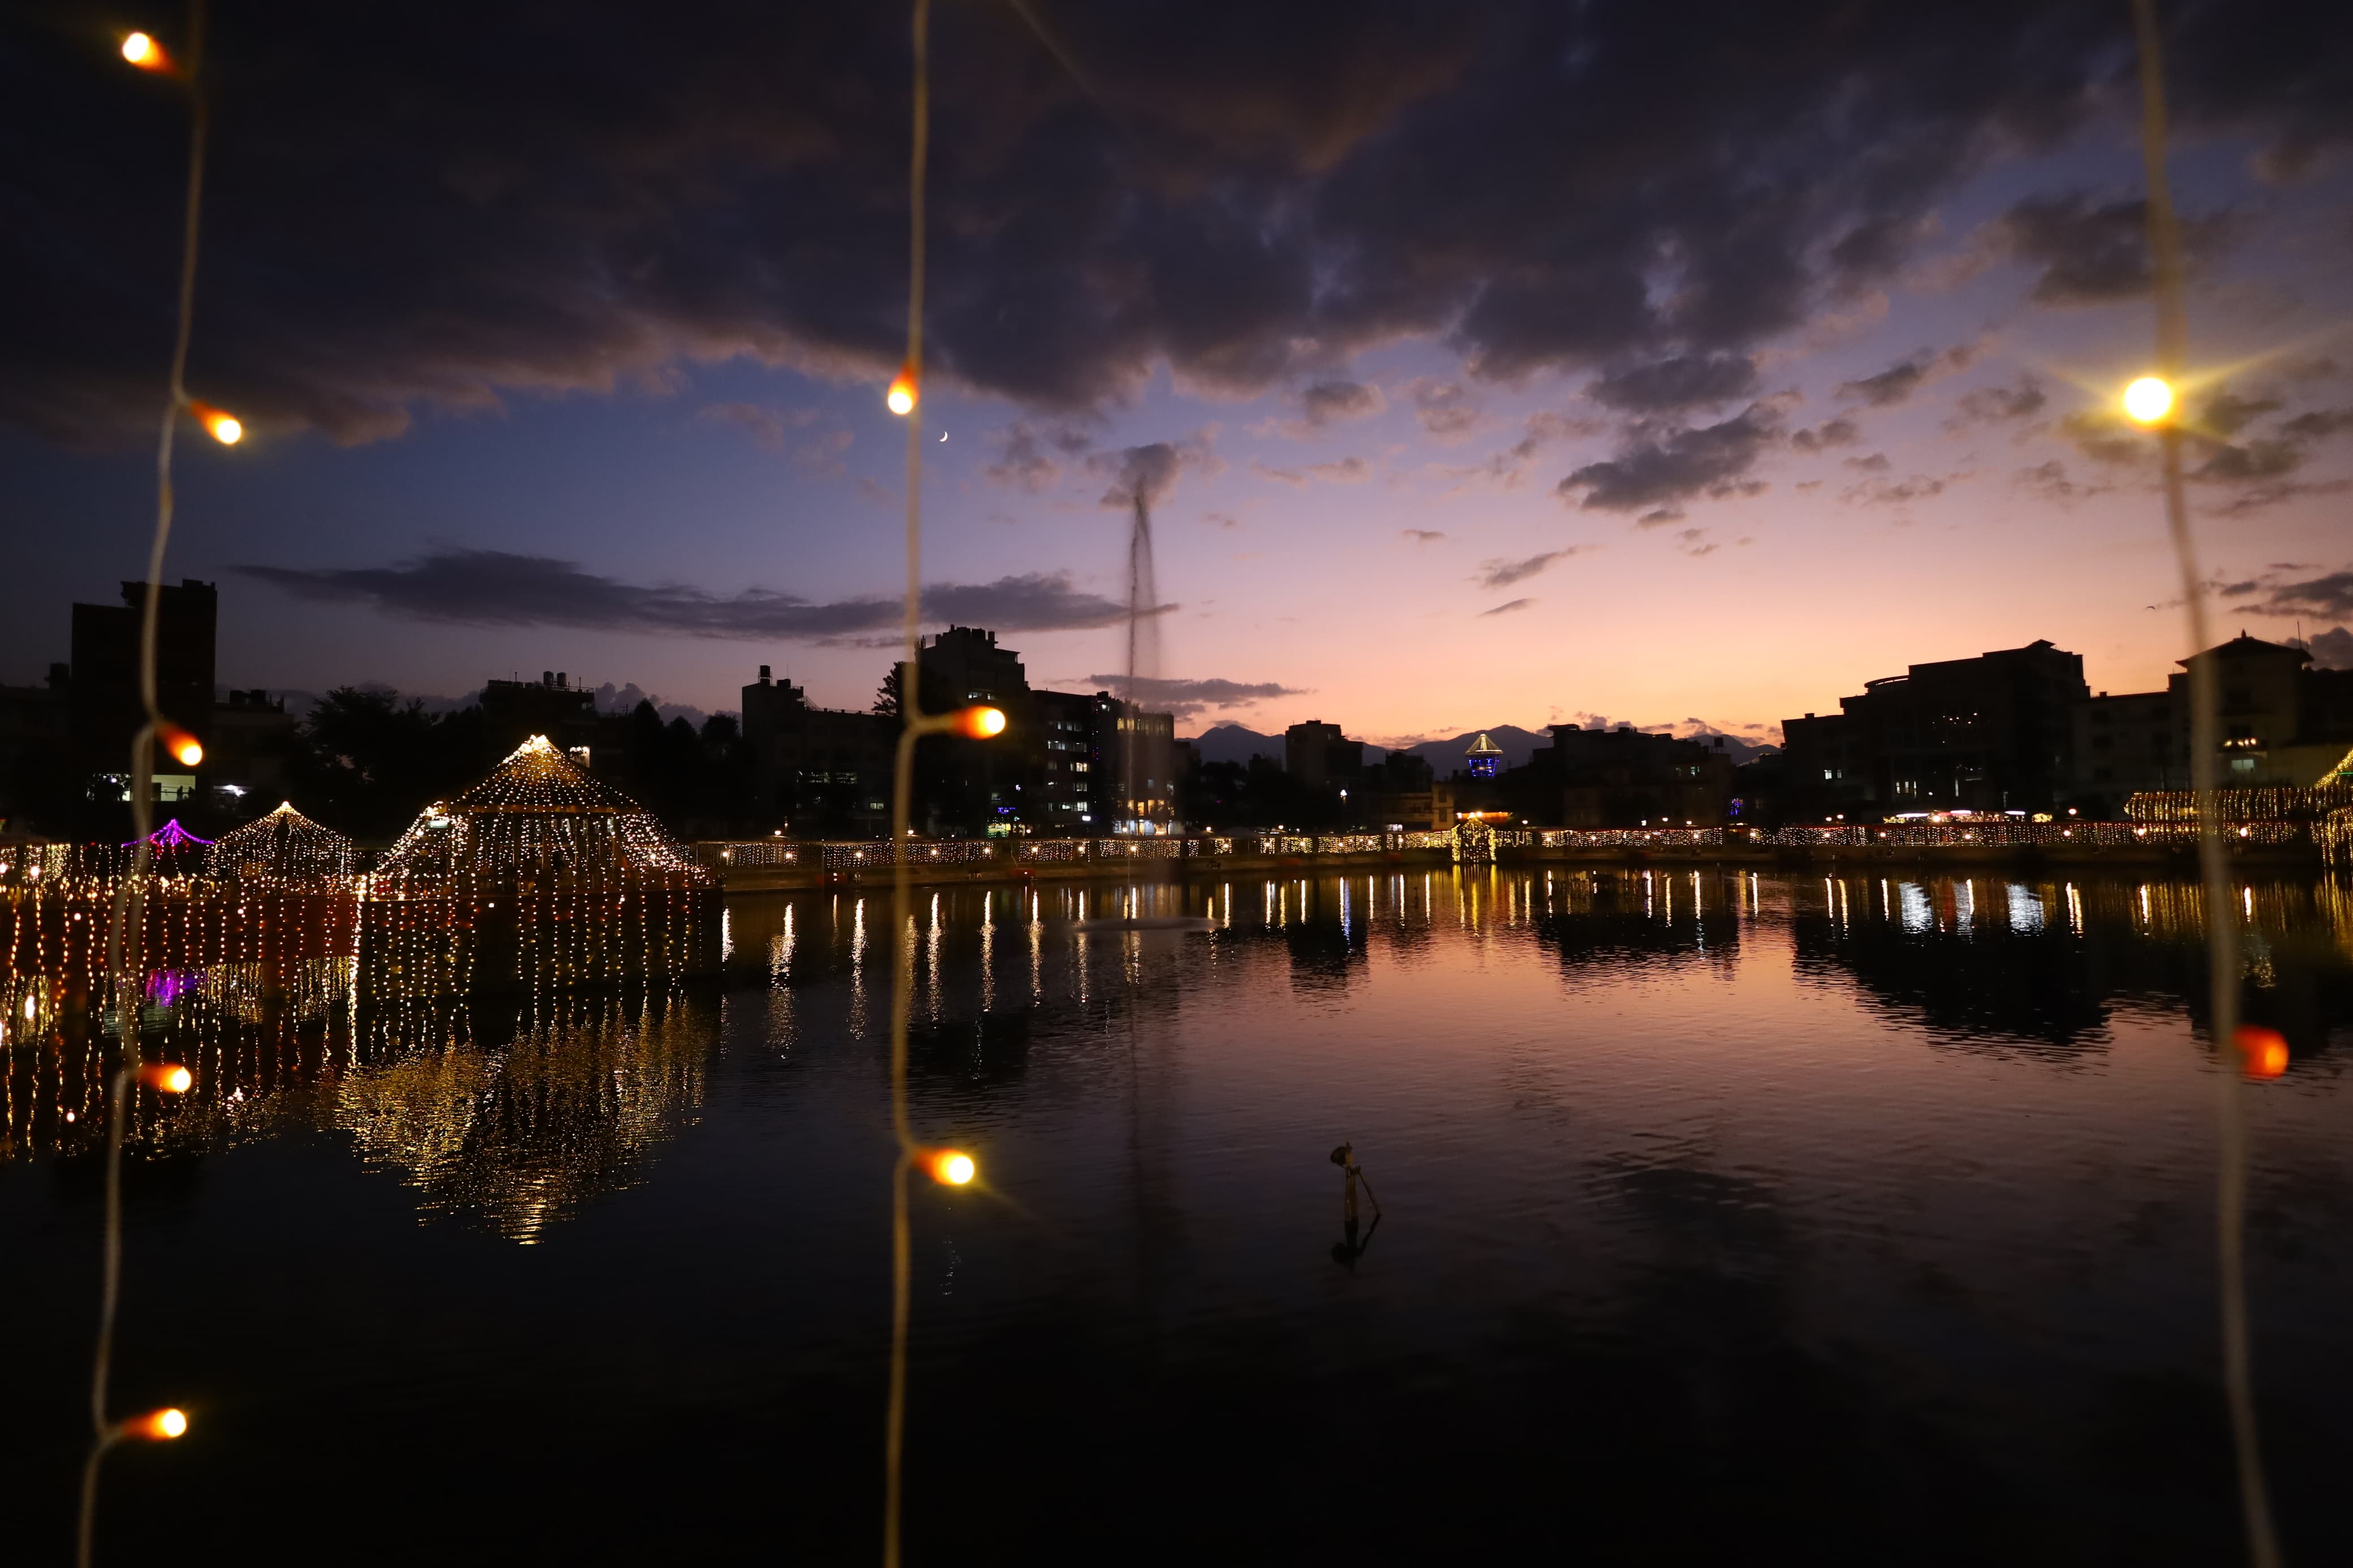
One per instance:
(167, 1078)
(181, 746)
(950, 1167)
(219, 423)
(145, 52)
(156, 1426)
(980, 723)
(2148, 400)
(901, 398)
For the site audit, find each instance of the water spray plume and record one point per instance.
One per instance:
(901, 398)
(159, 1425)
(951, 1167)
(2264, 1051)
(220, 423)
(167, 1078)
(981, 723)
(2148, 400)
(182, 747)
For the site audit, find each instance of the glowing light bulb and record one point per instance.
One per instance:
(2148, 400)
(219, 423)
(952, 1167)
(901, 398)
(2264, 1050)
(182, 747)
(142, 50)
(161, 1425)
(981, 723)
(167, 1078)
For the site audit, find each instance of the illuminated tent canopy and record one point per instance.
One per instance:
(538, 812)
(285, 844)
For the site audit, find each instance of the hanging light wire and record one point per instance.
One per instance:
(2205, 743)
(911, 718)
(126, 922)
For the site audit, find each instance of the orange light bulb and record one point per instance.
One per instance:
(144, 52)
(167, 1078)
(159, 1426)
(981, 723)
(901, 398)
(182, 747)
(219, 423)
(2264, 1051)
(951, 1167)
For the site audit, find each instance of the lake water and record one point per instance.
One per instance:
(1868, 1220)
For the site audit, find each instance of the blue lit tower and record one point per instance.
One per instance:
(1483, 755)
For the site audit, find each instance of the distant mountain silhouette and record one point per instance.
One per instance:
(1236, 743)
(1233, 743)
(1445, 757)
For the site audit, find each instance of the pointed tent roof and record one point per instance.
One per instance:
(1483, 747)
(537, 805)
(283, 843)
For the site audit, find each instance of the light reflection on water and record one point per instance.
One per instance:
(1720, 1207)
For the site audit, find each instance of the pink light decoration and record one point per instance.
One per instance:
(171, 836)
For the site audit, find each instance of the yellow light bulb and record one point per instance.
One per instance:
(952, 1167)
(2148, 400)
(161, 1425)
(167, 1078)
(219, 423)
(901, 398)
(139, 48)
(981, 723)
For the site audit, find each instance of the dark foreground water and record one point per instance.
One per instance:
(1726, 1217)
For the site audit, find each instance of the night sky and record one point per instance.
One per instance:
(1510, 364)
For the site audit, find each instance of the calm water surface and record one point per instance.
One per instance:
(1870, 1219)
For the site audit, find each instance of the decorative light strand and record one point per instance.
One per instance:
(2205, 741)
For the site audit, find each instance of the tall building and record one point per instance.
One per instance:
(972, 786)
(103, 688)
(1636, 778)
(1988, 733)
(822, 770)
(515, 710)
(2282, 722)
(1074, 788)
(1320, 756)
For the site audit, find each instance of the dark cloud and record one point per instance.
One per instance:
(2325, 597)
(1421, 535)
(1999, 405)
(496, 588)
(409, 214)
(1149, 472)
(1884, 493)
(1899, 381)
(1187, 697)
(2333, 649)
(2317, 424)
(1830, 433)
(1683, 381)
(1443, 409)
(1678, 465)
(2092, 252)
(2255, 460)
(2225, 413)
(1875, 464)
(2050, 481)
(1504, 574)
(1506, 607)
(765, 425)
(1030, 456)
(1326, 401)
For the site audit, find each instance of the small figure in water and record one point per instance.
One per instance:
(1348, 1251)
